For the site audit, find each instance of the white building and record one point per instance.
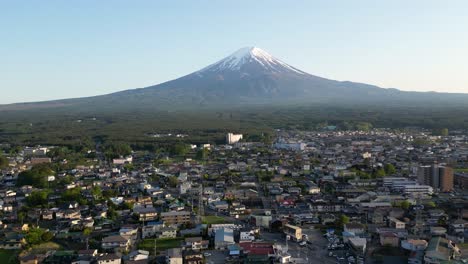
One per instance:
(247, 236)
(122, 161)
(184, 187)
(418, 189)
(290, 146)
(233, 138)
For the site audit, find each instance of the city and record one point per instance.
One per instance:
(325, 196)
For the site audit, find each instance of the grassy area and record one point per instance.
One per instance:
(8, 256)
(161, 244)
(40, 249)
(461, 170)
(211, 219)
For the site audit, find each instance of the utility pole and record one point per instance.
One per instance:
(201, 209)
(155, 243)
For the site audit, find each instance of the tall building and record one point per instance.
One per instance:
(439, 177)
(233, 138)
(446, 179)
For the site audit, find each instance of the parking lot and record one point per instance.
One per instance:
(314, 252)
(319, 249)
(215, 256)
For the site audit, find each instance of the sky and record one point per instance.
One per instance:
(66, 49)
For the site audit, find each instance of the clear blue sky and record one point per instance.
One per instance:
(61, 49)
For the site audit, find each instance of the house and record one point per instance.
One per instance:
(138, 255)
(117, 243)
(88, 252)
(437, 230)
(130, 231)
(12, 241)
(395, 223)
(193, 258)
(109, 259)
(389, 239)
(184, 187)
(146, 213)
(220, 206)
(293, 232)
(312, 188)
(151, 229)
(458, 226)
(196, 243)
(247, 236)
(223, 238)
(29, 259)
(168, 232)
(358, 245)
(174, 256)
(414, 244)
(355, 228)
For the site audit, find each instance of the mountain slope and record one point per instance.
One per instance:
(249, 76)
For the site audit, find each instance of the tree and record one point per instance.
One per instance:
(47, 236)
(38, 198)
(405, 205)
(180, 149)
(344, 219)
(3, 162)
(87, 232)
(202, 154)
(379, 173)
(440, 132)
(111, 213)
(34, 236)
(364, 126)
(114, 150)
(97, 192)
(74, 194)
(36, 177)
(173, 181)
(390, 169)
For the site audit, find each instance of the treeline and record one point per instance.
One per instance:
(205, 126)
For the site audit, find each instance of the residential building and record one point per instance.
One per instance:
(439, 177)
(117, 243)
(223, 238)
(294, 232)
(175, 217)
(174, 256)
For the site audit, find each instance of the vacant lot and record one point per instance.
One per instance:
(211, 219)
(8, 256)
(161, 244)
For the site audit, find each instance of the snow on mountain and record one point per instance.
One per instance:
(249, 57)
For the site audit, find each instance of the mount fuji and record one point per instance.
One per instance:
(249, 76)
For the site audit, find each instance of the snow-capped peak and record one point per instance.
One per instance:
(247, 55)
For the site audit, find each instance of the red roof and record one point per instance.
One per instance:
(257, 248)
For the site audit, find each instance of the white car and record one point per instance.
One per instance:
(207, 254)
(302, 243)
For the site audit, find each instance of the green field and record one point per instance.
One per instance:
(8, 256)
(211, 219)
(161, 244)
